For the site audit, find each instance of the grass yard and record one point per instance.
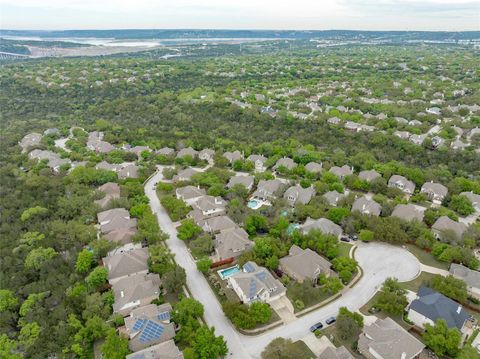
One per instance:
(344, 248)
(415, 284)
(426, 258)
(307, 353)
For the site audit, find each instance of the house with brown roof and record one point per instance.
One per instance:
(149, 325)
(231, 243)
(114, 219)
(111, 191)
(304, 264)
(135, 291)
(127, 263)
(385, 339)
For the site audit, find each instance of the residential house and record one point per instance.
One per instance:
(210, 206)
(324, 225)
(51, 131)
(135, 291)
(166, 151)
(444, 224)
(366, 206)
(30, 140)
(333, 197)
(213, 224)
(268, 189)
(334, 120)
(114, 219)
(469, 276)
(298, 194)
(369, 175)
(459, 145)
(437, 141)
(418, 139)
(404, 135)
(474, 199)
(435, 192)
(206, 155)
(385, 339)
(185, 175)
(304, 264)
(332, 352)
(285, 162)
(256, 283)
(95, 143)
(231, 243)
(314, 167)
(104, 165)
(111, 191)
(430, 305)
(246, 181)
(190, 194)
(341, 172)
(128, 171)
(233, 156)
(408, 212)
(125, 264)
(53, 159)
(149, 325)
(139, 149)
(402, 184)
(121, 236)
(165, 350)
(434, 111)
(259, 162)
(187, 152)
(352, 126)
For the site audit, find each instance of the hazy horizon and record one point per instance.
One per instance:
(367, 15)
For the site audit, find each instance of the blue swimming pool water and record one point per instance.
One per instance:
(228, 272)
(252, 204)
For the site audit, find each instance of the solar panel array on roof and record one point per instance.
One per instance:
(152, 331)
(249, 267)
(164, 316)
(253, 288)
(139, 324)
(261, 276)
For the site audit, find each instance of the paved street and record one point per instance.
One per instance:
(378, 261)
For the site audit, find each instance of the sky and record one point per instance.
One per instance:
(434, 15)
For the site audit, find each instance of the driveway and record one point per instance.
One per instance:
(378, 261)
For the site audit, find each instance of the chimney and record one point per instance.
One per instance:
(404, 355)
(459, 309)
(122, 294)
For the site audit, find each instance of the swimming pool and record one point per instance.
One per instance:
(252, 204)
(228, 272)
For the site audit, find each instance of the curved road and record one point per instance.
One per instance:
(378, 261)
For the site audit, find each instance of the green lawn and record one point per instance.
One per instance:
(417, 282)
(307, 353)
(344, 248)
(426, 258)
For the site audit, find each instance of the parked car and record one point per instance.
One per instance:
(353, 237)
(345, 239)
(331, 320)
(316, 327)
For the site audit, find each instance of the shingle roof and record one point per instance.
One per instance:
(435, 188)
(366, 206)
(126, 263)
(305, 262)
(246, 181)
(368, 175)
(314, 167)
(166, 350)
(407, 212)
(333, 197)
(341, 171)
(298, 194)
(434, 305)
(335, 353)
(469, 276)
(324, 225)
(445, 223)
(286, 162)
(135, 288)
(232, 242)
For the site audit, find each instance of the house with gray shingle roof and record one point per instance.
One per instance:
(366, 206)
(431, 305)
(111, 190)
(246, 181)
(385, 339)
(128, 171)
(54, 161)
(298, 194)
(231, 243)
(104, 165)
(314, 167)
(30, 140)
(324, 225)
(333, 197)
(408, 212)
(259, 162)
(444, 224)
(286, 162)
(233, 156)
(210, 206)
(256, 283)
(474, 199)
(469, 276)
(341, 172)
(149, 325)
(190, 194)
(369, 175)
(185, 175)
(206, 154)
(301, 264)
(187, 152)
(165, 350)
(135, 291)
(165, 151)
(402, 184)
(268, 189)
(127, 263)
(334, 120)
(114, 219)
(335, 353)
(435, 192)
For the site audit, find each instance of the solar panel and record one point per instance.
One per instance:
(164, 316)
(253, 288)
(248, 267)
(152, 331)
(139, 324)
